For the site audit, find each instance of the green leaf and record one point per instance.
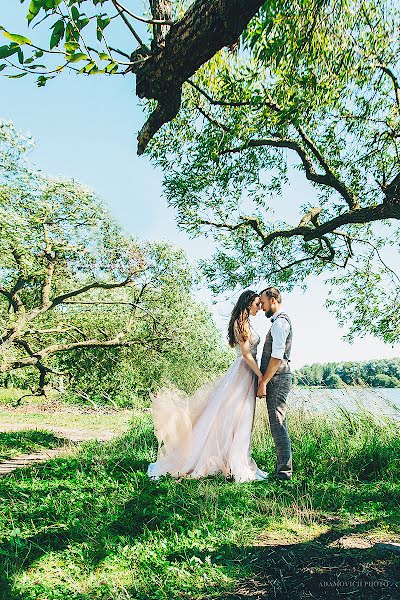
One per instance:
(77, 57)
(75, 13)
(71, 46)
(96, 71)
(9, 50)
(34, 9)
(2, 67)
(101, 24)
(103, 56)
(58, 33)
(112, 68)
(14, 37)
(82, 23)
(71, 34)
(17, 76)
(41, 80)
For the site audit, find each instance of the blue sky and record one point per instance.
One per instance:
(85, 128)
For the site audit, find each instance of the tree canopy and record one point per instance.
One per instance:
(374, 373)
(314, 88)
(313, 85)
(74, 285)
(85, 36)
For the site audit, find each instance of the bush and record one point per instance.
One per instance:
(385, 381)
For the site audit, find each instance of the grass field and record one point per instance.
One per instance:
(91, 526)
(14, 443)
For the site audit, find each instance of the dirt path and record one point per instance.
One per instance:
(70, 433)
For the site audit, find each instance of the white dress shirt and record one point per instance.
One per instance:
(280, 330)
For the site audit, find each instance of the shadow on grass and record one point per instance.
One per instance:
(13, 443)
(320, 568)
(101, 501)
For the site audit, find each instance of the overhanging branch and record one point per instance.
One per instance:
(316, 231)
(206, 27)
(37, 358)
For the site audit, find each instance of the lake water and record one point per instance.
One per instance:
(378, 401)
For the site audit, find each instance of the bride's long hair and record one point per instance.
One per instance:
(240, 316)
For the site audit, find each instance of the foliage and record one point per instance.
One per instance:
(81, 299)
(126, 376)
(93, 526)
(374, 373)
(315, 88)
(77, 41)
(180, 43)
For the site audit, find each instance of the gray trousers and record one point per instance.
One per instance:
(277, 392)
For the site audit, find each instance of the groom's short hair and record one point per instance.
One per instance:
(272, 292)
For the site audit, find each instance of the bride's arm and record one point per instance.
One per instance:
(249, 358)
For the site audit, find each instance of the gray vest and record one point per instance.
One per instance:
(284, 366)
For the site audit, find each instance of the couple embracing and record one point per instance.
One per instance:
(210, 432)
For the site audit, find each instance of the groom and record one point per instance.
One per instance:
(277, 378)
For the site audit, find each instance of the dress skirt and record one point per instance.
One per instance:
(209, 432)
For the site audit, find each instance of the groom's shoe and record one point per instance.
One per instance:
(283, 476)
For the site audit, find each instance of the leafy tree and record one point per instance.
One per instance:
(84, 36)
(377, 373)
(310, 375)
(385, 381)
(72, 281)
(315, 88)
(123, 375)
(333, 381)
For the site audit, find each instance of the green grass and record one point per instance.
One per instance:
(23, 442)
(117, 422)
(10, 396)
(93, 527)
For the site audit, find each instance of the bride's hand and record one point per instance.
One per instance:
(262, 389)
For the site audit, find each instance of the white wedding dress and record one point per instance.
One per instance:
(209, 432)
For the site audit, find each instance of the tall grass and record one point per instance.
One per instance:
(93, 527)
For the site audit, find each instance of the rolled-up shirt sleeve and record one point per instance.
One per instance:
(279, 330)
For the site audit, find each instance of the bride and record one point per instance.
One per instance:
(210, 432)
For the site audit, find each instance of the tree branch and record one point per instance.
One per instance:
(212, 120)
(206, 27)
(218, 102)
(161, 11)
(115, 303)
(46, 287)
(90, 286)
(328, 178)
(37, 357)
(129, 26)
(335, 182)
(142, 19)
(395, 82)
(362, 215)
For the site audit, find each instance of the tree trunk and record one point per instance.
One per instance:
(206, 27)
